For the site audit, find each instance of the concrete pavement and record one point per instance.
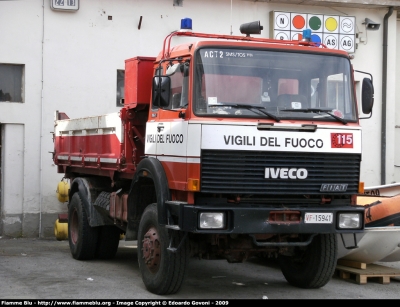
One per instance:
(44, 269)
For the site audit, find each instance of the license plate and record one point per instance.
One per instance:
(318, 218)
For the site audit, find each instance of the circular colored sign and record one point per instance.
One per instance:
(331, 42)
(281, 36)
(315, 23)
(347, 25)
(297, 37)
(298, 22)
(347, 43)
(282, 21)
(315, 38)
(331, 24)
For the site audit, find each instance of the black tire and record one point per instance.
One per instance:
(108, 241)
(82, 238)
(162, 271)
(312, 266)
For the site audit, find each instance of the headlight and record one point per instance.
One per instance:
(212, 220)
(350, 220)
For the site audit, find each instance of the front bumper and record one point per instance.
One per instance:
(259, 220)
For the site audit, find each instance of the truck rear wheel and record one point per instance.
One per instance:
(82, 238)
(312, 266)
(108, 241)
(162, 271)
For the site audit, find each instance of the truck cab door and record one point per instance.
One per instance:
(166, 130)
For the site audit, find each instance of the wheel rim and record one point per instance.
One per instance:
(151, 250)
(74, 227)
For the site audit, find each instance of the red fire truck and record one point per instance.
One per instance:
(227, 147)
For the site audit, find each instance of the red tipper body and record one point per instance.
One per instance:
(96, 145)
(138, 75)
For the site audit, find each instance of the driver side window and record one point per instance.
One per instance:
(179, 86)
(176, 90)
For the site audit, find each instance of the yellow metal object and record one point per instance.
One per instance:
(60, 230)
(361, 187)
(193, 184)
(62, 190)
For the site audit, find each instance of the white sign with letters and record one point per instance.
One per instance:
(228, 137)
(65, 5)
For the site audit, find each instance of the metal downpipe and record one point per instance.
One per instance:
(384, 91)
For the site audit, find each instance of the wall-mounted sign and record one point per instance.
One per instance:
(65, 5)
(335, 32)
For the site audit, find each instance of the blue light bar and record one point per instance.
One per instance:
(307, 35)
(186, 24)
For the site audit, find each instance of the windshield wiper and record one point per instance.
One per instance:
(316, 110)
(254, 109)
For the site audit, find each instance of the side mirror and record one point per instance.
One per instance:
(161, 91)
(367, 96)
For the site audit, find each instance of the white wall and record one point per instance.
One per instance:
(391, 101)
(13, 176)
(368, 57)
(21, 36)
(82, 51)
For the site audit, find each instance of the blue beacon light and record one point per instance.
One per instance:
(306, 35)
(186, 24)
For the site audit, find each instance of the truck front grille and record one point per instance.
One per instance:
(243, 172)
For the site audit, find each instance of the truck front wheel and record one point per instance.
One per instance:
(162, 271)
(81, 236)
(311, 266)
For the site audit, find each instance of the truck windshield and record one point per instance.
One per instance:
(273, 84)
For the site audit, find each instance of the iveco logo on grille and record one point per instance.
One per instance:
(285, 173)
